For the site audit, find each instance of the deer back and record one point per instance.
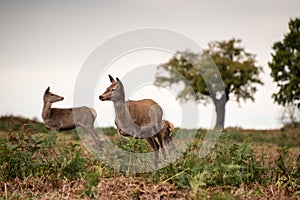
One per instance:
(144, 112)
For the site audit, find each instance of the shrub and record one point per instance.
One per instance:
(24, 153)
(230, 165)
(287, 176)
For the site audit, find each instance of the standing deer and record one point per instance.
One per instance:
(165, 137)
(138, 119)
(57, 119)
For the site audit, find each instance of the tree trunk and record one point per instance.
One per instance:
(220, 112)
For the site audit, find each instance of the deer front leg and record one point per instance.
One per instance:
(90, 130)
(52, 125)
(121, 139)
(120, 135)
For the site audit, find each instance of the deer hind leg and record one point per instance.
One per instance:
(154, 145)
(90, 130)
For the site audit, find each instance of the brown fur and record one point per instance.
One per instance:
(57, 119)
(165, 137)
(139, 111)
(138, 119)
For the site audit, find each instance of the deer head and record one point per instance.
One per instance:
(167, 132)
(50, 97)
(169, 127)
(114, 92)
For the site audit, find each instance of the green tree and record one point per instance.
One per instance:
(285, 66)
(238, 69)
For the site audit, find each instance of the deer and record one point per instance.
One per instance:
(61, 119)
(138, 119)
(165, 137)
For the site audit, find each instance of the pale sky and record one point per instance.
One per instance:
(46, 43)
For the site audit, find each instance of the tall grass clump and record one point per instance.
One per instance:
(231, 165)
(28, 155)
(24, 153)
(226, 165)
(286, 174)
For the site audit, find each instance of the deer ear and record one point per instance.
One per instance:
(169, 128)
(119, 82)
(170, 131)
(111, 78)
(48, 89)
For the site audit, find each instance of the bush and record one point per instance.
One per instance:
(287, 176)
(230, 165)
(226, 165)
(24, 153)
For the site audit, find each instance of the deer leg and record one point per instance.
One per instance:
(120, 137)
(154, 145)
(91, 131)
(171, 147)
(121, 140)
(160, 140)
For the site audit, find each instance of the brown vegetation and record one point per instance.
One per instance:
(107, 189)
(273, 158)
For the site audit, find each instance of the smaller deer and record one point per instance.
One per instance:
(57, 119)
(165, 137)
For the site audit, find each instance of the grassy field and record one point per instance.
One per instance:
(244, 164)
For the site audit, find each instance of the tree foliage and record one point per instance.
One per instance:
(180, 70)
(285, 66)
(238, 69)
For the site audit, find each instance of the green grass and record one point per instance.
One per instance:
(236, 160)
(281, 138)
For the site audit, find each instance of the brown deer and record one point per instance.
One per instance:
(57, 119)
(137, 119)
(165, 137)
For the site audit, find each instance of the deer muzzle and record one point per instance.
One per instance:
(102, 98)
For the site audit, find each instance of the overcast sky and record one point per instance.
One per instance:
(46, 43)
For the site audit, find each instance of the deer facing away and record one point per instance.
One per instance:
(165, 137)
(57, 119)
(138, 119)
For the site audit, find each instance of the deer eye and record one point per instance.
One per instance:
(113, 89)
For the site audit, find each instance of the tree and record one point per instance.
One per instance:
(285, 66)
(290, 115)
(237, 67)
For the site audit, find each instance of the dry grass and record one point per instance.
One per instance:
(123, 188)
(116, 185)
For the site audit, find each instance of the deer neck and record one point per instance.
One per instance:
(121, 110)
(120, 105)
(46, 110)
(122, 115)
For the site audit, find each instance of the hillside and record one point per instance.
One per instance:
(14, 123)
(244, 164)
